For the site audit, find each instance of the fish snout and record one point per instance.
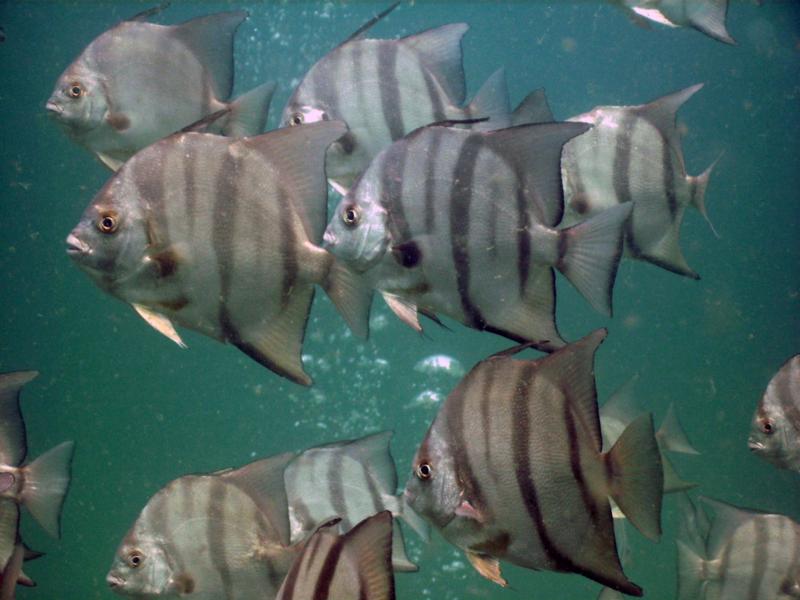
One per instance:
(76, 247)
(754, 445)
(328, 240)
(114, 581)
(54, 109)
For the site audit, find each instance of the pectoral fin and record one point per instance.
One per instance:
(160, 323)
(487, 566)
(406, 311)
(112, 163)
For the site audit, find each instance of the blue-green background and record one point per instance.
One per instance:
(143, 411)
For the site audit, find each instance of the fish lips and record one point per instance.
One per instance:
(755, 446)
(54, 109)
(115, 582)
(77, 249)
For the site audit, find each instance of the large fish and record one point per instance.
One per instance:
(451, 221)
(511, 469)
(208, 537)
(632, 154)
(741, 555)
(351, 481)
(219, 235)
(384, 89)
(139, 82)
(40, 486)
(775, 433)
(707, 16)
(356, 564)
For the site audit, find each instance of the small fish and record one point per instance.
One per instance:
(139, 82)
(775, 432)
(511, 469)
(632, 154)
(349, 480)
(451, 221)
(440, 363)
(741, 555)
(219, 235)
(706, 16)
(207, 537)
(384, 89)
(334, 566)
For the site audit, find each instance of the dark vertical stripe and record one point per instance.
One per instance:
(669, 179)
(761, 557)
(393, 165)
(390, 90)
(575, 465)
(328, 570)
(622, 160)
(523, 240)
(288, 249)
(222, 235)
(216, 535)
(190, 193)
(486, 401)
(435, 134)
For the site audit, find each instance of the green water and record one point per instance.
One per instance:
(143, 412)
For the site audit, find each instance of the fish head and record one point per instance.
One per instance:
(768, 434)
(79, 100)
(357, 233)
(142, 568)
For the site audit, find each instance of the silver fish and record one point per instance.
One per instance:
(139, 82)
(451, 221)
(706, 16)
(775, 432)
(219, 236)
(511, 469)
(356, 564)
(221, 535)
(743, 555)
(384, 89)
(349, 480)
(632, 154)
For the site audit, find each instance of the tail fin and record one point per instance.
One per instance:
(351, 296)
(46, 482)
(491, 101)
(708, 16)
(697, 187)
(636, 477)
(590, 254)
(672, 480)
(248, 113)
(690, 573)
(671, 435)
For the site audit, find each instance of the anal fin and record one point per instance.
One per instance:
(406, 311)
(487, 566)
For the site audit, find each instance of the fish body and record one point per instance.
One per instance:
(217, 235)
(511, 469)
(632, 154)
(706, 16)
(335, 566)
(452, 222)
(223, 535)
(139, 82)
(384, 89)
(775, 432)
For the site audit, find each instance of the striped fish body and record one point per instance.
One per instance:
(775, 431)
(356, 564)
(139, 82)
(511, 468)
(633, 154)
(218, 536)
(450, 221)
(215, 234)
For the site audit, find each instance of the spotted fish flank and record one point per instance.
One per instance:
(471, 208)
(220, 235)
(775, 432)
(356, 564)
(139, 82)
(706, 16)
(515, 452)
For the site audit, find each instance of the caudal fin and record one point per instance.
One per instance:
(671, 435)
(46, 482)
(697, 187)
(636, 479)
(351, 296)
(248, 113)
(708, 16)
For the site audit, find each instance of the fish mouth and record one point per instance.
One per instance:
(54, 109)
(77, 247)
(755, 446)
(114, 581)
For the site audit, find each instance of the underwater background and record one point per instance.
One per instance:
(143, 412)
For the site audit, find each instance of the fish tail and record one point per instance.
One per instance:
(672, 480)
(351, 296)
(636, 479)
(248, 113)
(697, 187)
(709, 16)
(491, 102)
(46, 482)
(589, 254)
(691, 570)
(671, 435)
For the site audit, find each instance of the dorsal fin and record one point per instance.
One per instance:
(202, 124)
(359, 33)
(150, 12)
(534, 108)
(440, 51)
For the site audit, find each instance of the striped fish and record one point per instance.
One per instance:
(449, 221)
(706, 16)
(219, 235)
(348, 480)
(384, 89)
(511, 469)
(632, 154)
(350, 566)
(744, 555)
(139, 82)
(775, 432)
(222, 536)
(40, 486)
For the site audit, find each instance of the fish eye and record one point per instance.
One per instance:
(424, 471)
(767, 427)
(108, 223)
(75, 90)
(350, 215)
(296, 119)
(135, 559)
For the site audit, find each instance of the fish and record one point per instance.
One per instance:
(334, 566)
(40, 486)
(632, 154)
(221, 235)
(384, 89)
(211, 536)
(451, 221)
(348, 480)
(440, 363)
(741, 555)
(139, 82)
(775, 430)
(514, 456)
(706, 16)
